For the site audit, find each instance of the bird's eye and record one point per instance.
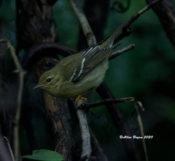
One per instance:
(49, 79)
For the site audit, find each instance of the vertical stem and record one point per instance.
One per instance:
(118, 120)
(86, 139)
(139, 119)
(84, 24)
(9, 148)
(21, 74)
(4, 153)
(17, 117)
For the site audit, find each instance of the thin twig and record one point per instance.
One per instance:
(101, 156)
(9, 148)
(84, 24)
(139, 119)
(119, 52)
(119, 122)
(21, 74)
(87, 106)
(4, 152)
(139, 13)
(165, 13)
(126, 26)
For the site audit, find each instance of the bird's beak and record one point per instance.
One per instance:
(37, 86)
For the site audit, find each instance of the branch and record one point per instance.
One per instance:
(101, 156)
(4, 153)
(21, 74)
(166, 14)
(85, 134)
(126, 26)
(87, 106)
(119, 122)
(139, 119)
(119, 52)
(84, 24)
(9, 148)
(48, 49)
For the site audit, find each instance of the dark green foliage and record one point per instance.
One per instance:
(44, 155)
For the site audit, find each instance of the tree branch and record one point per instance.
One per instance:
(21, 74)
(9, 148)
(4, 153)
(119, 122)
(166, 14)
(84, 24)
(119, 52)
(126, 26)
(139, 106)
(88, 106)
(101, 156)
(49, 49)
(85, 134)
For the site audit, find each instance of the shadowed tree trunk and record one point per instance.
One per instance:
(165, 11)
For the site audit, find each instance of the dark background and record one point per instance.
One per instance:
(146, 73)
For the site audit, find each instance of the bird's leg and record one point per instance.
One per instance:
(80, 97)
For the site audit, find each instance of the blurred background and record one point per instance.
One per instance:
(146, 73)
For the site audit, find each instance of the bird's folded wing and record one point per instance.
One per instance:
(84, 62)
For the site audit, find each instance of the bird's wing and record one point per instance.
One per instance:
(82, 63)
(70, 66)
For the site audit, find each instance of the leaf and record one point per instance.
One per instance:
(44, 155)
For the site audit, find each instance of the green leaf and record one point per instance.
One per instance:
(44, 155)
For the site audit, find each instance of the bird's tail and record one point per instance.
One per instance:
(108, 43)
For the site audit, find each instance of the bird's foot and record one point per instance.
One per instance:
(80, 99)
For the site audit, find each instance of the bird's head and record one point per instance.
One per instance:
(50, 81)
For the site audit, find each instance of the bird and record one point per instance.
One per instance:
(77, 74)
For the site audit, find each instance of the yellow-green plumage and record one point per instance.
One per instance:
(78, 73)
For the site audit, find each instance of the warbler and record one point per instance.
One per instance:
(76, 74)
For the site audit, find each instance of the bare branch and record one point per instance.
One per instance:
(119, 122)
(21, 74)
(48, 49)
(119, 52)
(101, 156)
(87, 106)
(84, 24)
(9, 148)
(85, 133)
(4, 153)
(126, 26)
(139, 119)
(166, 14)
